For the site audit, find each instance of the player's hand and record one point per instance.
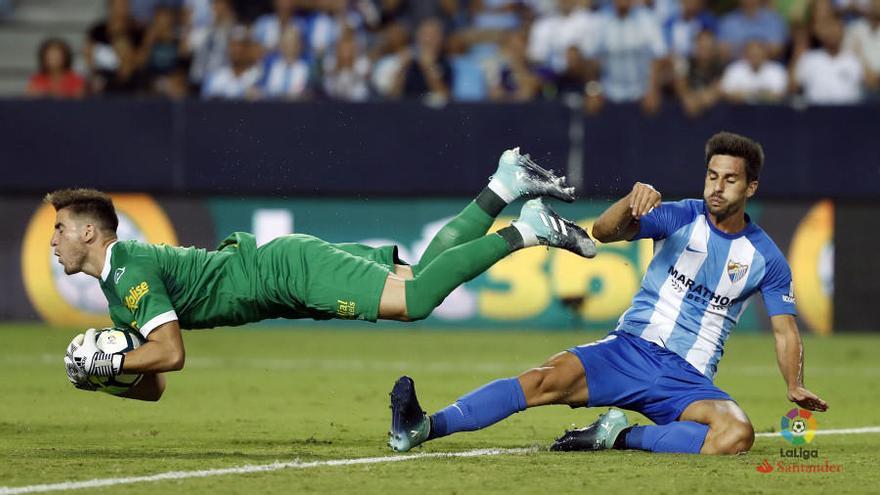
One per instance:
(94, 362)
(77, 376)
(807, 400)
(643, 199)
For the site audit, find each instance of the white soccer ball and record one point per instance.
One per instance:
(113, 340)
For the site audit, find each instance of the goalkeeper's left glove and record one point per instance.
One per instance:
(77, 377)
(92, 361)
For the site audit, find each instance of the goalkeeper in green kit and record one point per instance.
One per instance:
(158, 289)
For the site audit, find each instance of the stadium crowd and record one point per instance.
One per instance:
(698, 52)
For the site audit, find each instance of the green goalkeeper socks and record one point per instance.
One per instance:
(473, 222)
(454, 267)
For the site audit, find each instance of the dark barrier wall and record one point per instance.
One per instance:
(411, 149)
(819, 152)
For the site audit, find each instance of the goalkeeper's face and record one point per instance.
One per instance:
(70, 241)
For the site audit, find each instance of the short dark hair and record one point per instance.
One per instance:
(87, 202)
(728, 143)
(44, 48)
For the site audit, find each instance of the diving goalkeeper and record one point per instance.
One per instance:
(159, 289)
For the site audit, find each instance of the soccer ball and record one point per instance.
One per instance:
(113, 340)
(799, 426)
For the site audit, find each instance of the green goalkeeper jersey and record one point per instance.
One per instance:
(147, 285)
(294, 276)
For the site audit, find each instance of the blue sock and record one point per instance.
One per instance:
(683, 437)
(484, 406)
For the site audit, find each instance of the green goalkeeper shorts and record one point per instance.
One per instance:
(322, 280)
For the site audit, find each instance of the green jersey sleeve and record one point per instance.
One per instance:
(142, 291)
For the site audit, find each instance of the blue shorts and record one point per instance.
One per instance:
(627, 371)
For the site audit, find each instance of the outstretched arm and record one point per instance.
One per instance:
(620, 222)
(163, 351)
(790, 356)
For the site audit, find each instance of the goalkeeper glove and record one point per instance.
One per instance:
(92, 361)
(77, 376)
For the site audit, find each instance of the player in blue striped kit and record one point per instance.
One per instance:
(662, 357)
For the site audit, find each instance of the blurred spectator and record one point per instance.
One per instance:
(249, 10)
(496, 15)
(577, 73)
(852, 8)
(425, 73)
(681, 30)
(573, 24)
(238, 79)
(752, 21)
(413, 12)
(347, 72)
(663, 10)
(197, 14)
(698, 78)
(55, 76)
(489, 20)
(819, 13)
(391, 52)
(829, 75)
(803, 35)
(470, 64)
(101, 46)
(126, 79)
(143, 11)
(330, 21)
(794, 11)
(158, 52)
(629, 52)
(863, 39)
(754, 79)
(207, 45)
(175, 84)
(513, 79)
(268, 27)
(285, 74)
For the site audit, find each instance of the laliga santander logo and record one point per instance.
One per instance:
(765, 467)
(799, 426)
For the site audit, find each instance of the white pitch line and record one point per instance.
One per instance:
(263, 468)
(841, 431)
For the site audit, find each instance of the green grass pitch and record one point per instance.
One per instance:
(318, 393)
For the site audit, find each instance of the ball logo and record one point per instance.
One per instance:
(799, 426)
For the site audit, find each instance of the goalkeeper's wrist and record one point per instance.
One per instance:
(104, 364)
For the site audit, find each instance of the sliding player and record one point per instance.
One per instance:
(662, 357)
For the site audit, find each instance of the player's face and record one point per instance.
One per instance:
(68, 242)
(727, 188)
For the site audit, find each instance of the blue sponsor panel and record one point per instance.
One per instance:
(535, 288)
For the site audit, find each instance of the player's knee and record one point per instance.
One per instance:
(418, 300)
(737, 437)
(540, 386)
(417, 312)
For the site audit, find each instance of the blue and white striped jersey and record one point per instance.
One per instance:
(699, 282)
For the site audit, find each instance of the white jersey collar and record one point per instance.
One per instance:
(105, 272)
